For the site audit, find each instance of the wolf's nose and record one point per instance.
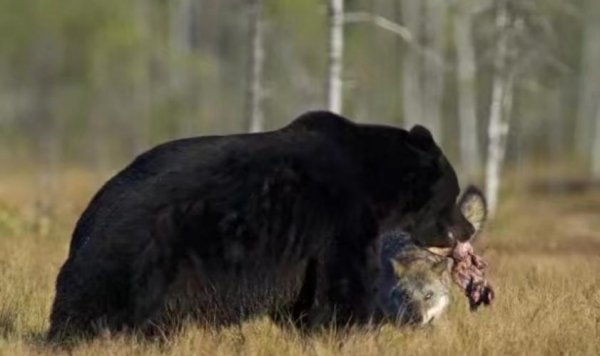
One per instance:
(416, 319)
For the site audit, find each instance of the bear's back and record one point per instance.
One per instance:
(172, 170)
(117, 189)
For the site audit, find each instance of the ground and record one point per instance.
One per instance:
(544, 253)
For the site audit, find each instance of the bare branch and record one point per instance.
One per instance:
(397, 29)
(381, 22)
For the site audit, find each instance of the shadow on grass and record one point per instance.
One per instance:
(36, 340)
(7, 324)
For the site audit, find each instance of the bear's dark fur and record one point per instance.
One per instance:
(218, 229)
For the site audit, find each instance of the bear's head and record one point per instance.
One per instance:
(413, 186)
(409, 183)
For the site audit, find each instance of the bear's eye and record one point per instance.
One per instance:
(428, 295)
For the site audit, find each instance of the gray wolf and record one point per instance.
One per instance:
(415, 282)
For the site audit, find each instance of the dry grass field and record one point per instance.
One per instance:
(543, 251)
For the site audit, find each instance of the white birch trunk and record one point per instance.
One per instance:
(433, 66)
(555, 139)
(596, 147)
(335, 55)
(467, 99)
(589, 88)
(180, 25)
(500, 110)
(411, 68)
(255, 69)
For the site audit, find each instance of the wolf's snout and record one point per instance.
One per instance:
(411, 318)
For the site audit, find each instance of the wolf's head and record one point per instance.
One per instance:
(415, 285)
(421, 292)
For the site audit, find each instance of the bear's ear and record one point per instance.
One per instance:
(421, 137)
(473, 206)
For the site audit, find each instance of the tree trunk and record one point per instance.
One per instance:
(181, 12)
(141, 82)
(467, 98)
(500, 110)
(96, 125)
(433, 66)
(180, 44)
(411, 69)
(553, 112)
(255, 69)
(46, 132)
(596, 147)
(589, 87)
(335, 54)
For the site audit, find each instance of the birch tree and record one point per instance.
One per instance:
(141, 81)
(411, 66)
(500, 109)
(433, 69)
(335, 55)
(589, 89)
(422, 84)
(40, 86)
(466, 84)
(180, 29)
(596, 146)
(254, 93)
(423, 67)
(181, 18)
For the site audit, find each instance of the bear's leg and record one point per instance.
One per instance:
(306, 298)
(297, 313)
(350, 274)
(90, 296)
(153, 272)
(66, 318)
(155, 268)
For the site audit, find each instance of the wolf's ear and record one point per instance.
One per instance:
(399, 268)
(473, 206)
(442, 267)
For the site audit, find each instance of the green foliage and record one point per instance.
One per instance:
(98, 79)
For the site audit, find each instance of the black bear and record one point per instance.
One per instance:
(218, 229)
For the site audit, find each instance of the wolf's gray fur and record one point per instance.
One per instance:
(414, 284)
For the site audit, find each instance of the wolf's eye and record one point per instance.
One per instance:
(428, 295)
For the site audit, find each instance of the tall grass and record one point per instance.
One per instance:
(543, 251)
